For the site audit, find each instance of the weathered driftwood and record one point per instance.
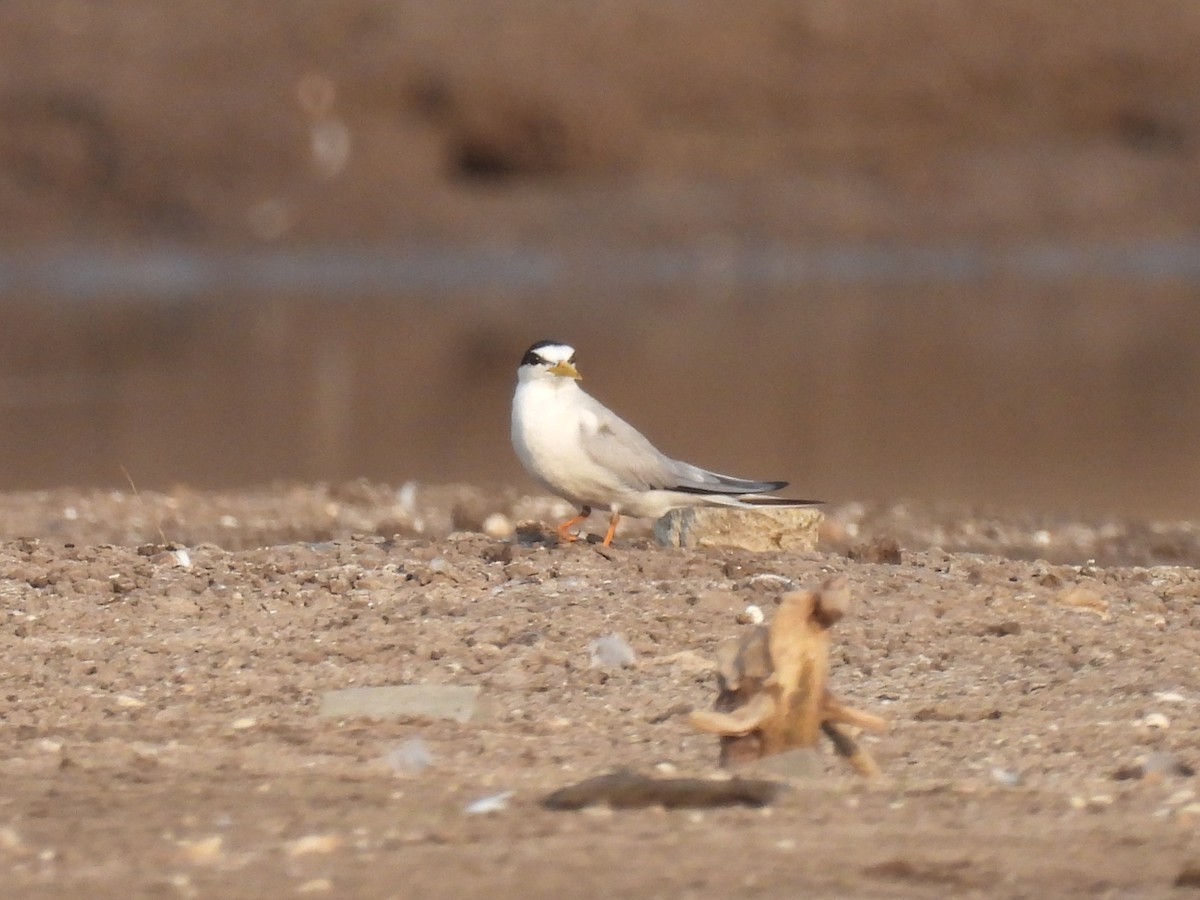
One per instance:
(773, 694)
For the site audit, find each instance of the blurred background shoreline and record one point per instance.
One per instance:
(170, 274)
(938, 251)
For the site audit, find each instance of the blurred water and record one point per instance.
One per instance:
(1034, 374)
(173, 273)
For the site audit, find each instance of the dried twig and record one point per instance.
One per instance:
(773, 693)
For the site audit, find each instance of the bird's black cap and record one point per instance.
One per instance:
(533, 358)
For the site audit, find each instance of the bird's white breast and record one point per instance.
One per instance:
(547, 437)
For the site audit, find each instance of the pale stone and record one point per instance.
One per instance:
(314, 843)
(434, 701)
(203, 850)
(315, 886)
(11, 841)
(492, 804)
(757, 530)
(409, 757)
(498, 525)
(751, 615)
(1155, 720)
(610, 652)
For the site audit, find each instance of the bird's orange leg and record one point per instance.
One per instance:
(564, 530)
(612, 528)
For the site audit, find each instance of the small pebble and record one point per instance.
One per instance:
(406, 498)
(491, 804)
(202, 850)
(182, 883)
(410, 757)
(1155, 720)
(751, 615)
(314, 843)
(610, 652)
(771, 580)
(11, 841)
(498, 525)
(1006, 777)
(315, 886)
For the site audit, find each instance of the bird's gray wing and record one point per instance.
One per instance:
(622, 450)
(613, 443)
(694, 480)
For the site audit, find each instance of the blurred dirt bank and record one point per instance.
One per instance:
(598, 132)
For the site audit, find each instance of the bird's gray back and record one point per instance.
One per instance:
(614, 444)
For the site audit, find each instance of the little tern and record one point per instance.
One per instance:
(577, 448)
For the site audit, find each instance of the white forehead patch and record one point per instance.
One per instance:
(554, 353)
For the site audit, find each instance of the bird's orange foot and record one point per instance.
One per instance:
(564, 530)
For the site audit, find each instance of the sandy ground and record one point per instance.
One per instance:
(162, 734)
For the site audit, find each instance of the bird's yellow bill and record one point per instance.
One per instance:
(566, 369)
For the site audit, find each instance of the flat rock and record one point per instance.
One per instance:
(756, 530)
(433, 701)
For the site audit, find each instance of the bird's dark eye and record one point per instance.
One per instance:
(572, 359)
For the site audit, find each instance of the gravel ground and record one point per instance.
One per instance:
(165, 656)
